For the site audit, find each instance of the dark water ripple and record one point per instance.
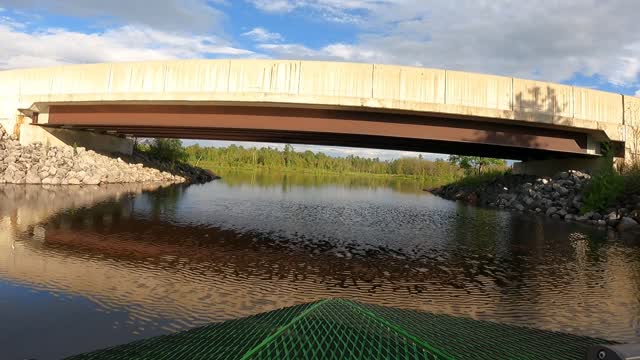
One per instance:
(132, 262)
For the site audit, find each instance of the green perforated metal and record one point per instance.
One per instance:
(342, 329)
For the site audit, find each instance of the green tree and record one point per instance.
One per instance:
(288, 159)
(168, 150)
(475, 164)
(288, 155)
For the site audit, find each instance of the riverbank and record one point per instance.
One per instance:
(424, 181)
(561, 197)
(51, 165)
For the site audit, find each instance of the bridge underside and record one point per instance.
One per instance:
(325, 127)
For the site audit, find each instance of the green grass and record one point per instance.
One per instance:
(603, 190)
(608, 187)
(485, 177)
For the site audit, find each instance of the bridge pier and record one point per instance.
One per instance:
(553, 166)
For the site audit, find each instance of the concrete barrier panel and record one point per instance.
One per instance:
(10, 83)
(9, 98)
(8, 112)
(84, 79)
(138, 77)
(260, 76)
(197, 76)
(35, 81)
(336, 79)
(8, 107)
(476, 90)
(597, 105)
(542, 98)
(632, 127)
(408, 84)
(632, 110)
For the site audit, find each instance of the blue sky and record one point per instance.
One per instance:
(590, 43)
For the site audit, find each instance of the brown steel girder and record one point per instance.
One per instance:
(324, 127)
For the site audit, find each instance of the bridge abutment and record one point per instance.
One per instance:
(30, 134)
(553, 166)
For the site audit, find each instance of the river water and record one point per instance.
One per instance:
(86, 268)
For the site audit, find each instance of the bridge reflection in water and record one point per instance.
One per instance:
(132, 248)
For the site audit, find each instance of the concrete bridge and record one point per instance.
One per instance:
(329, 103)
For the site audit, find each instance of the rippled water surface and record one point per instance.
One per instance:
(86, 268)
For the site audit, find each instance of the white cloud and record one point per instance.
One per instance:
(173, 15)
(638, 93)
(274, 5)
(547, 39)
(291, 50)
(260, 34)
(333, 10)
(128, 43)
(335, 6)
(330, 52)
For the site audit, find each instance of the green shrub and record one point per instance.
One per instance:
(477, 165)
(483, 178)
(142, 147)
(170, 150)
(603, 190)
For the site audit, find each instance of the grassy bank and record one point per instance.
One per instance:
(610, 188)
(485, 177)
(423, 181)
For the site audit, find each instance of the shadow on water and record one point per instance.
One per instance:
(135, 262)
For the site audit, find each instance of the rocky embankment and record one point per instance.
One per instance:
(558, 197)
(51, 165)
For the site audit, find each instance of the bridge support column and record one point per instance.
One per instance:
(553, 166)
(60, 137)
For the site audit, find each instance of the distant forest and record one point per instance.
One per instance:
(289, 159)
(238, 157)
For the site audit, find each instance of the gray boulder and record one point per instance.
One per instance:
(91, 180)
(518, 206)
(32, 177)
(612, 219)
(528, 201)
(626, 223)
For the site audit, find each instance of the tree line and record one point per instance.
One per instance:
(239, 157)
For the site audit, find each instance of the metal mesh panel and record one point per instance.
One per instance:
(473, 339)
(341, 329)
